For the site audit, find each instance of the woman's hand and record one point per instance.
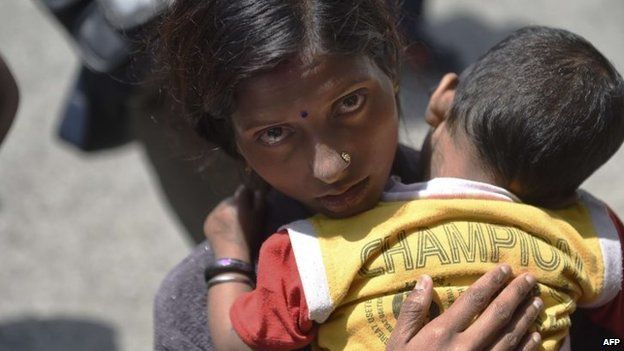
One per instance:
(232, 228)
(502, 323)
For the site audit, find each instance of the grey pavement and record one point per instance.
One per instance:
(86, 239)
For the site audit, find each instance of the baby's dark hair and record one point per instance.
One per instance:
(209, 47)
(544, 110)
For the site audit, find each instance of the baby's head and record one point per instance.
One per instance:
(537, 114)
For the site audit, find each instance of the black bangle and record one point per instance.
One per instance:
(228, 265)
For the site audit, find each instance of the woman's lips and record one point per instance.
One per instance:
(349, 198)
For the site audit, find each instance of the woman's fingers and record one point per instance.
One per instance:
(243, 197)
(477, 297)
(501, 310)
(250, 207)
(531, 342)
(413, 315)
(248, 200)
(502, 325)
(514, 336)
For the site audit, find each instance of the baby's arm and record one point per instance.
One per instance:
(275, 315)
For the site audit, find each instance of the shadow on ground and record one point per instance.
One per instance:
(32, 334)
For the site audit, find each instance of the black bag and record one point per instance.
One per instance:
(107, 35)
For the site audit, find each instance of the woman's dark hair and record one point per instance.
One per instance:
(544, 110)
(208, 47)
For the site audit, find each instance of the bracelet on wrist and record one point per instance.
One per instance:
(230, 278)
(230, 265)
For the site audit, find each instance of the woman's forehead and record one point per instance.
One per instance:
(295, 80)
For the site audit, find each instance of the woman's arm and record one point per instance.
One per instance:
(220, 300)
(224, 231)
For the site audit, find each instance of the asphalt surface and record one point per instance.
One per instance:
(85, 239)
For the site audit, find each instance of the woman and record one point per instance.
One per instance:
(298, 91)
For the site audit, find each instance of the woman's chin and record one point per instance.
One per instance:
(349, 208)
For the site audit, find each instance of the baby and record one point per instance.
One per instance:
(523, 127)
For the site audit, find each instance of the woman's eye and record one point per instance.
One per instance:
(274, 135)
(350, 103)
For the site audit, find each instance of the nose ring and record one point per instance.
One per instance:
(346, 157)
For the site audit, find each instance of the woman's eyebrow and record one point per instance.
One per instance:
(247, 126)
(334, 87)
(339, 85)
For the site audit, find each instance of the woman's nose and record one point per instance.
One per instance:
(328, 165)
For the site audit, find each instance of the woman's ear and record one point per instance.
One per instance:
(441, 100)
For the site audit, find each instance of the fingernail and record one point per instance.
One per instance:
(529, 278)
(536, 337)
(505, 269)
(537, 303)
(423, 282)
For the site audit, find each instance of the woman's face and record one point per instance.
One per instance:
(294, 123)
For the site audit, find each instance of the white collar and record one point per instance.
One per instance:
(445, 188)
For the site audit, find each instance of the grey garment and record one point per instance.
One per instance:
(180, 321)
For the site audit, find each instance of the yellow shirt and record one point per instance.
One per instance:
(357, 271)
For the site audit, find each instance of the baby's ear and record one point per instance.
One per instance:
(441, 100)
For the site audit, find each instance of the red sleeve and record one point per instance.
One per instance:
(274, 316)
(611, 315)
